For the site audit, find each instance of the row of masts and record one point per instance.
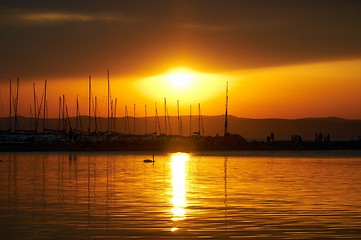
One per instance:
(64, 125)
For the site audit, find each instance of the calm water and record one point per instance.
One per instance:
(267, 195)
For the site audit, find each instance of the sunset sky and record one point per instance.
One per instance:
(282, 59)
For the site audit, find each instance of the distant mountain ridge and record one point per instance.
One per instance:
(259, 129)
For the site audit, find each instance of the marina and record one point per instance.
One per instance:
(84, 133)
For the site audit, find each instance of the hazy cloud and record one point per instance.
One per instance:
(48, 17)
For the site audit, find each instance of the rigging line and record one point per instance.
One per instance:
(81, 124)
(156, 113)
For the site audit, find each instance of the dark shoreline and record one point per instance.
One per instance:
(175, 144)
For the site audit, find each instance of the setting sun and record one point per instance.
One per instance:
(180, 79)
(184, 84)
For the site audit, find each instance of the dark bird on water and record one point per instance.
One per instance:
(149, 160)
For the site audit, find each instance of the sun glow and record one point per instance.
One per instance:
(183, 84)
(180, 79)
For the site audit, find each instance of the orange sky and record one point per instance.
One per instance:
(309, 90)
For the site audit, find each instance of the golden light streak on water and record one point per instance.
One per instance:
(178, 166)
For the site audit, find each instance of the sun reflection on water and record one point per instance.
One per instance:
(178, 166)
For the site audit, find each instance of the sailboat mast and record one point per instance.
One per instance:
(199, 118)
(125, 119)
(165, 115)
(16, 104)
(35, 115)
(170, 129)
(145, 119)
(157, 120)
(134, 121)
(190, 120)
(10, 96)
(179, 128)
(89, 102)
(111, 115)
(108, 104)
(77, 112)
(47, 112)
(44, 117)
(64, 121)
(226, 113)
(68, 118)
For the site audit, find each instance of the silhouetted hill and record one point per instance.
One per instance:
(284, 128)
(338, 128)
